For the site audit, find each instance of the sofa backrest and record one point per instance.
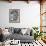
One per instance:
(23, 31)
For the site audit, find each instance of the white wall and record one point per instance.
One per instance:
(29, 14)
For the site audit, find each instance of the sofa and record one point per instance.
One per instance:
(17, 34)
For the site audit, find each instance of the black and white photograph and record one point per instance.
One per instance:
(14, 15)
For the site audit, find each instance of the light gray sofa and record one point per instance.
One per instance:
(17, 35)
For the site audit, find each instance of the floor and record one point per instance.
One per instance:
(35, 43)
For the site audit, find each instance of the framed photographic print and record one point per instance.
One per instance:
(14, 15)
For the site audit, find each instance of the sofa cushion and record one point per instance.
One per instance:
(20, 37)
(23, 31)
(11, 30)
(17, 30)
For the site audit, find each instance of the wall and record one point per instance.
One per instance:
(29, 14)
